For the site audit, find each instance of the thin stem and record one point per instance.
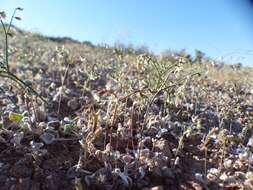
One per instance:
(12, 17)
(6, 45)
(3, 25)
(205, 161)
(62, 84)
(20, 82)
(6, 52)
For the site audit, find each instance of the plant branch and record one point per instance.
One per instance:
(12, 17)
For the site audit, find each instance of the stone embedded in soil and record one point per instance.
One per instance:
(98, 82)
(228, 163)
(17, 138)
(36, 146)
(230, 180)
(250, 142)
(214, 171)
(127, 158)
(67, 120)
(55, 124)
(240, 175)
(71, 173)
(200, 178)
(197, 186)
(47, 138)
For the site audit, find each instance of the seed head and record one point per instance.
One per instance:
(2, 14)
(18, 18)
(19, 9)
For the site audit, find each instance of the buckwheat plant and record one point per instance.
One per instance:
(4, 63)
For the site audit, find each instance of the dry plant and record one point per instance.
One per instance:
(5, 71)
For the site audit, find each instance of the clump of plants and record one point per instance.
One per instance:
(121, 118)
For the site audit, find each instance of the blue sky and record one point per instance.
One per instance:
(222, 29)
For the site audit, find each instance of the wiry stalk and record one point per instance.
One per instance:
(14, 78)
(6, 46)
(4, 69)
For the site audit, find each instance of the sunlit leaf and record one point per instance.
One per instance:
(68, 128)
(15, 116)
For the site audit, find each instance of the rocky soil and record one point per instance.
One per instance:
(114, 118)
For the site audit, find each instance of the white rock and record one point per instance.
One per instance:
(199, 177)
(228, 163)
(243, 156)
(249, 175)
(240, 175)
(47, 138)
(17, 138)
(250, 142)
(223, 177)
(214, 171)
